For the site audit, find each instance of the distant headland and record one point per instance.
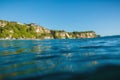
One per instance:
(15, 30)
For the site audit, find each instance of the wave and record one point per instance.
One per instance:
(106, 72)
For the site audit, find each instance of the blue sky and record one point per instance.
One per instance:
(102, 16)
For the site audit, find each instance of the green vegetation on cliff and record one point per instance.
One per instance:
(14, 30)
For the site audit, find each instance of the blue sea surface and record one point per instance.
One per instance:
(60, 59)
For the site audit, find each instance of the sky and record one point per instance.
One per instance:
(101, 16)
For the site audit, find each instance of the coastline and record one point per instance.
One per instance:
(14, 30)
(47, 39)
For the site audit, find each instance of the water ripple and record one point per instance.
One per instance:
(68, 59)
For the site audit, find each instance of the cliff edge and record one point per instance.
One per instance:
(15, 30)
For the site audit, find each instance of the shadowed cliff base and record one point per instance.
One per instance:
(15, 30)
(107, 72)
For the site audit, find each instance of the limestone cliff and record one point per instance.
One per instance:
(15, 30)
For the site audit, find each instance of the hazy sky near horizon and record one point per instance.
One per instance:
(102, 16)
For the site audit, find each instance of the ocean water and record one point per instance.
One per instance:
(65, 59)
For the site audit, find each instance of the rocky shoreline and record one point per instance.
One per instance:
(15, 31)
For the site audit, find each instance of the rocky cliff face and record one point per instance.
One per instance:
(67, 35)
(14, 30)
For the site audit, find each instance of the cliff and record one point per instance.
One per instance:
(15, 30)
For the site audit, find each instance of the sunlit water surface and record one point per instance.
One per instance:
(66, 59)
